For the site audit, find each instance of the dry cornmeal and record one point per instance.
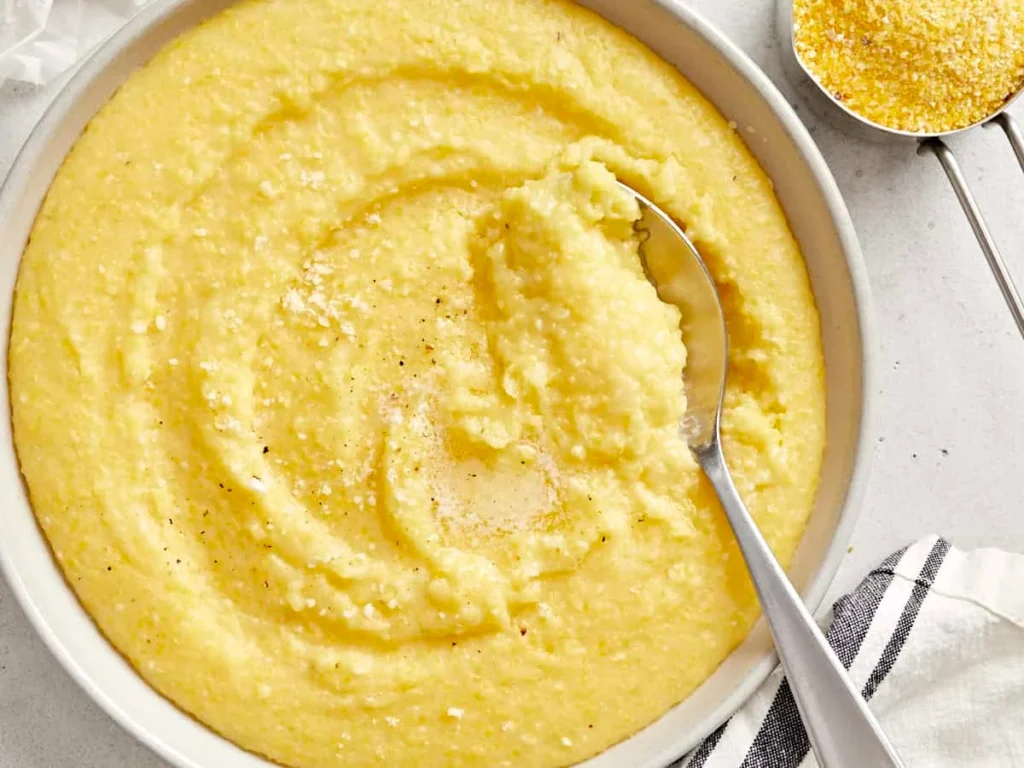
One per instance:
(924, 66)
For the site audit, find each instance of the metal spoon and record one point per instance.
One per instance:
(842, 731)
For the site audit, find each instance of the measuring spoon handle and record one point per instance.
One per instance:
(981, 231)
(1013, 132)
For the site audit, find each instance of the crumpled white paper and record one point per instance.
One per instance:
(40, 39)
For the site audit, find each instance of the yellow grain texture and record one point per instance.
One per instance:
(924, 66)
(346, 407)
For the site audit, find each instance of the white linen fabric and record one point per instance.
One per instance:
(40, 39)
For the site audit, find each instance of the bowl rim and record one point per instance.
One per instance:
(96, 62)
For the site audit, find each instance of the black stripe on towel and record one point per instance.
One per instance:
(852, 614)
(906, 621)
(781, 741)
(706, 748)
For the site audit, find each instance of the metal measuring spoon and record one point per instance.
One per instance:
(842, 731)
(826, 104)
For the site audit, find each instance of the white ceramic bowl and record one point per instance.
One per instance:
(816, 214)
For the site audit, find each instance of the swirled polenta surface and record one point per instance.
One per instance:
(346, 407)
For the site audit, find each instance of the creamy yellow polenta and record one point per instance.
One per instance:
(345, 404)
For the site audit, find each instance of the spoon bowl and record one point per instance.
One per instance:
(683, 280)
(842, 730)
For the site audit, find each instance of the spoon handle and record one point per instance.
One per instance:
(842, 731)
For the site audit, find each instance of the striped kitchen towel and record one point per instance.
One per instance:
(934, 637)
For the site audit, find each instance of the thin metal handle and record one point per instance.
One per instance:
(967, 202)
(842, 731)
(1005, 121)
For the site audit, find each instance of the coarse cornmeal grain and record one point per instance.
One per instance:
(924, 66)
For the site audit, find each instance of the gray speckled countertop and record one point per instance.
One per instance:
(949, 433)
